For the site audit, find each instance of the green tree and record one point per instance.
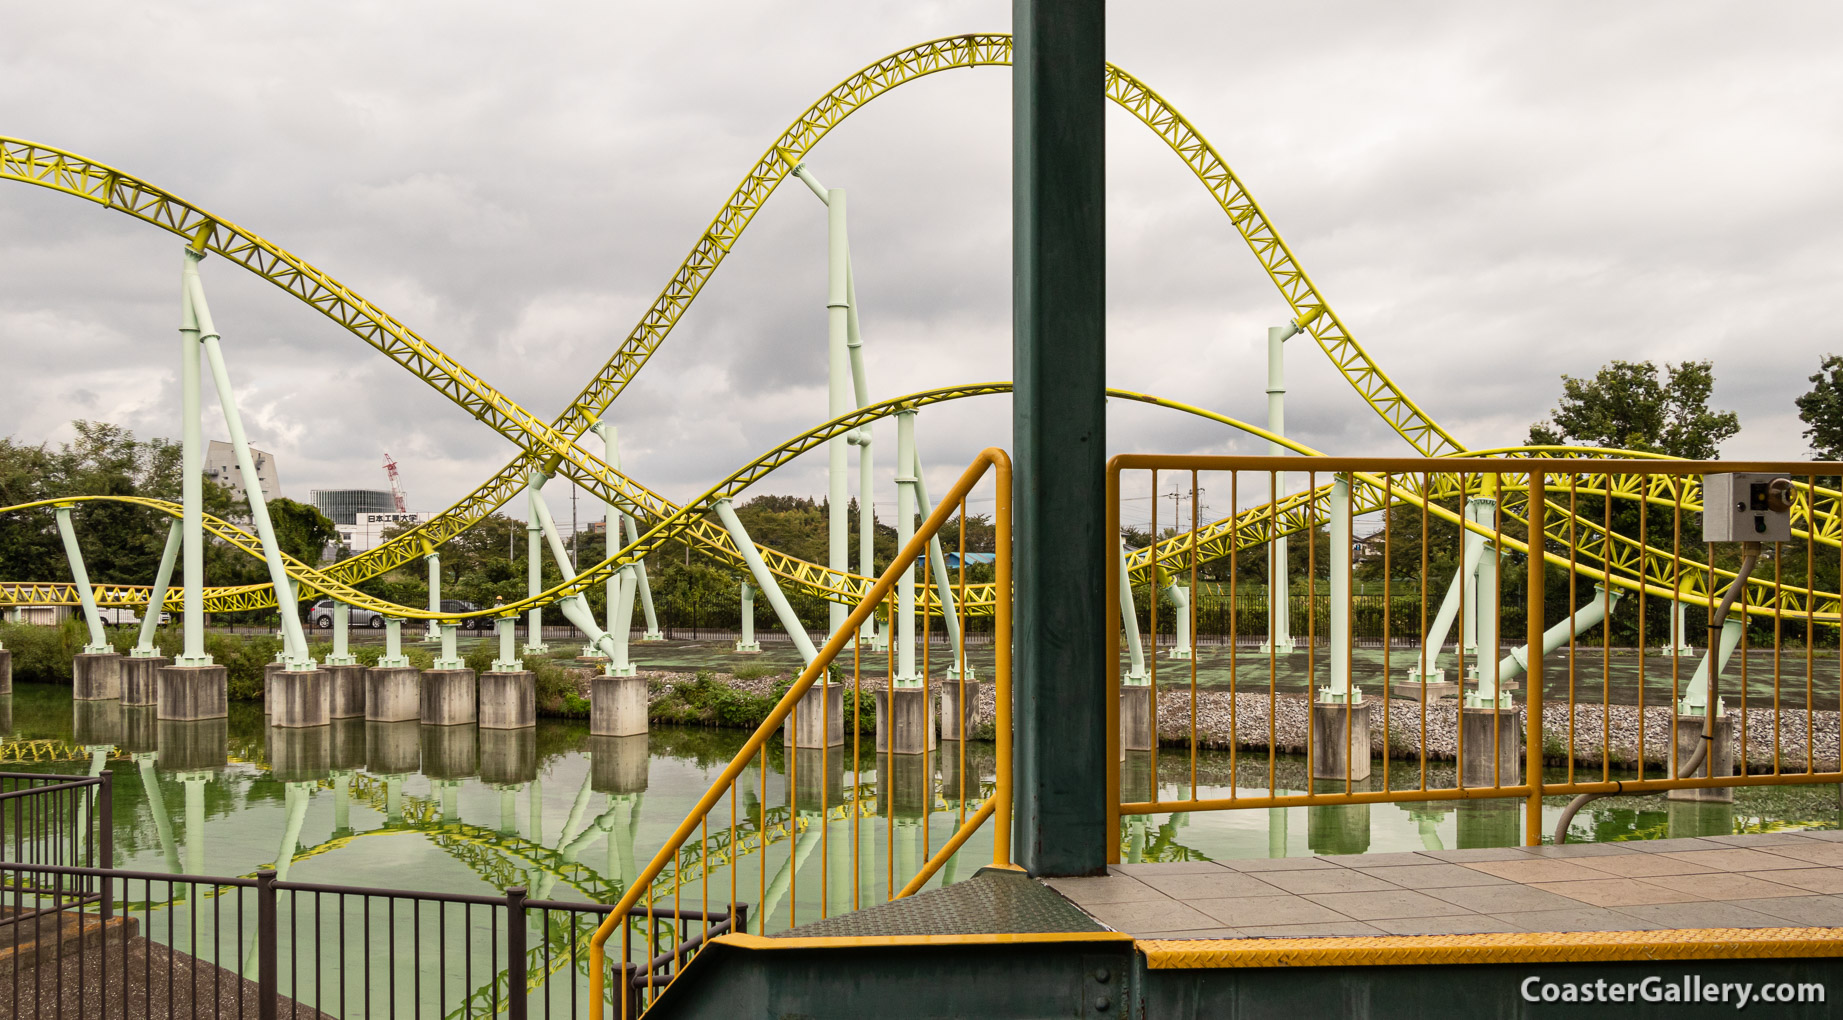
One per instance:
(1821, 409)
(301, 529)
(1630, 405)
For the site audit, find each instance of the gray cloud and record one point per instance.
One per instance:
(1489, 195)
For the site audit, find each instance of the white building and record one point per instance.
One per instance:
(221, 467)
(367, 529)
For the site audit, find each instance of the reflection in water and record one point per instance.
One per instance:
(1485, 823)
(572, 816)
(1338, 828)
(1700, 818)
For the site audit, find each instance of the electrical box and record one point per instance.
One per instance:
(1746, 507)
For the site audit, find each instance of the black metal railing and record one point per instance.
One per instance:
(53, 820)
(126, 944)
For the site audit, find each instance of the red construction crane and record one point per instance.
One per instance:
(396, 484)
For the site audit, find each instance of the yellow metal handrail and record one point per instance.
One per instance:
(997, 806)
(1555, 498)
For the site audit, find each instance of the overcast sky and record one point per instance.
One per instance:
(1490, 195)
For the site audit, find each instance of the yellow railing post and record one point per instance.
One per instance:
(1533, 598)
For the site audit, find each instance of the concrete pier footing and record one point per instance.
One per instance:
(188, 693)
(140, 685)
(904, 724)
(1720, 761)
(96, 676)
(393, 694)
(508, 701)
(448, 697)
(300, 698)
(346, 687)
(1335, 725)
(1490, 734)
(269, 671)
(821, 711)
(618, 764)
(6, 671)
(951, 713)
(617, 706)
(1136, 717)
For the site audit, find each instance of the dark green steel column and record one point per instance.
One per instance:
(1059, 353)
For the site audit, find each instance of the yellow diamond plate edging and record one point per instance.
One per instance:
(1519, 947)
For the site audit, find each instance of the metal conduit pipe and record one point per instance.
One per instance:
(1584, 619)
(1750, 557)
(99, 642)
(765, 581)
(156, 599)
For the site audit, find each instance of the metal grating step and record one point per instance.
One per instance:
(992, 902)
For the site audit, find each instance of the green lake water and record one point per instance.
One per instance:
(573, 817)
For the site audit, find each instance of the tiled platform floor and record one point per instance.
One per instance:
(1751, 881)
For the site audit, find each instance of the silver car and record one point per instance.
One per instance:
(321, 616)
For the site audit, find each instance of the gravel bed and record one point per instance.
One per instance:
(1251, 728)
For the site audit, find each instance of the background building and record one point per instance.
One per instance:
(342, 506)
(221, 467)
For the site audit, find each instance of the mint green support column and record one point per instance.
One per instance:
(393, 656)
(156, 599)
(764, 579)
(99, 642)
(653, 633)
(534, 566)
(192, 471)
(904, 624)
(434, 561)
(449, 658)
(1136, 674)
(508, 661)
(1340, 690)
(1279, 583)
(294, 638)
(342, 628)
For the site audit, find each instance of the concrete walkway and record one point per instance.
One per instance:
(1773, 880)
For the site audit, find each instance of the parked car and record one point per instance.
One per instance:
(321, 616)
(458, 606)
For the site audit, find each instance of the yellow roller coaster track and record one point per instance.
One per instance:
(553, 448)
